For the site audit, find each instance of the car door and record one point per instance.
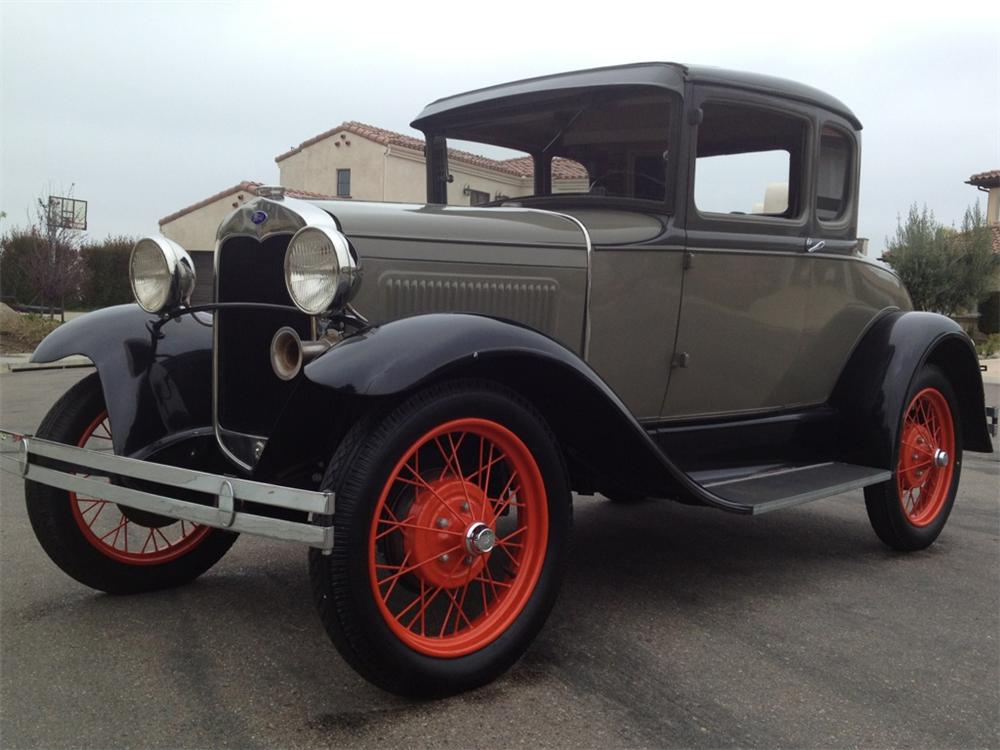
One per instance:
(740, 341)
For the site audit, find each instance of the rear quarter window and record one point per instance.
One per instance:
(836, 155)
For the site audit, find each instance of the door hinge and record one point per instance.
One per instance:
(688, 261)
(681, 359)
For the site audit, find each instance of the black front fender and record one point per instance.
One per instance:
(155, 384)
(603, 442)
(871, 392)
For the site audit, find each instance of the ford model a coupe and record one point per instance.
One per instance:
(697, 322)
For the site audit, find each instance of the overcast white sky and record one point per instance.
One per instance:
(146, 108)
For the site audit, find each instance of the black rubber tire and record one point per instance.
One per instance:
(340, 582)
(59, 534)
(882, 502)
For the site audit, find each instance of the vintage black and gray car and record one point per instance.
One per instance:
(415, 392)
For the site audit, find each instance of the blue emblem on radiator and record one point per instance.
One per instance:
(258, 217)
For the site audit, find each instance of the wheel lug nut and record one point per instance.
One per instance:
(468, 559)
(445, 557)
(465, 507)
(442, 523)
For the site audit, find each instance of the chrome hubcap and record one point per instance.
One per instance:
(940, 458)
(480, 539)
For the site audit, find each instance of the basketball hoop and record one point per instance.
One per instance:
(67, 213)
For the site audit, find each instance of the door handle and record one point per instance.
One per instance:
(815, 248)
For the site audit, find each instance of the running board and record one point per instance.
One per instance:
(776, 488)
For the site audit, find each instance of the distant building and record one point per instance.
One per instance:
(362, 162)
(194, 227)
(989, 183)
(355, 161)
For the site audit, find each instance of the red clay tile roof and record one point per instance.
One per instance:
(985, 179)
(563, 169)
(247, 186)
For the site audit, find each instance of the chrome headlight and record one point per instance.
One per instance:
(321, 270)
(161, 274)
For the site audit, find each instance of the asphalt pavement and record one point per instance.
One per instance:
(676, 627)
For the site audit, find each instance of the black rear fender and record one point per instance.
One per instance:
(155, 384)
(871, 392)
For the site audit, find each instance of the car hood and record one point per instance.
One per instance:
(508, 225)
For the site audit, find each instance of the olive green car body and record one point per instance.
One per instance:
(670, 348)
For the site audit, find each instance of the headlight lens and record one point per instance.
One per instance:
(161, 274)
(321, 271)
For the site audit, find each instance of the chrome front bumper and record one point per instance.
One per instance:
(222, 493)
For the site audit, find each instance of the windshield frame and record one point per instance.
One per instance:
(458, 123)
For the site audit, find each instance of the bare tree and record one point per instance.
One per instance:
(53, 266)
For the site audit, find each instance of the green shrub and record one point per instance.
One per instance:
(989, 314)
(15, 248)
(989, 347)
(105, 278)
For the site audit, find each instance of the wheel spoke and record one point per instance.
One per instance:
(166, 541)
(392, 585)
(98, 513)
(413, 567)
(422, 614)
(421, 482)
(511, 494)
(511, 535)
(116, 529)
(458, 465)
(396, 525)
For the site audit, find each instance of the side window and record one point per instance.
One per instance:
(343, 183)
(749, 161)
(834, 183)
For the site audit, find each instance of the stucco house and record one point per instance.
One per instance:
(194, 227)
(989, 183)
(363, 162)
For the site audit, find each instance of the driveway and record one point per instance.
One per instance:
(677, 627)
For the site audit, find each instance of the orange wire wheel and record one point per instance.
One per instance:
(458, 538)
(102, 544)
(926, 457)
(126, 535)
(909, 511)
(452, 524)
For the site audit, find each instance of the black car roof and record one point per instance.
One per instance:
(664, 74)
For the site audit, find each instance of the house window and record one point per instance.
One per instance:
(478, 197)
(343, 183)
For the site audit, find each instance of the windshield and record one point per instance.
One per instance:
(613, 143)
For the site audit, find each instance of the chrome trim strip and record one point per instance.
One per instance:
(225, 490)
(284, 216)
(585, 344)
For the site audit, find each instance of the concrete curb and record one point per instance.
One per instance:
(21, 363)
